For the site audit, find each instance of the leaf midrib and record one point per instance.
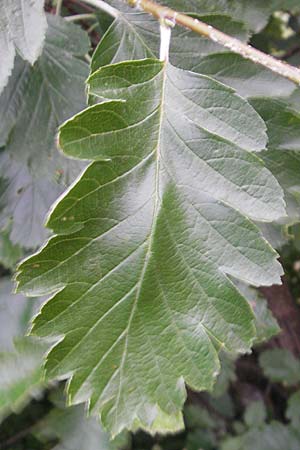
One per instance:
(150, 237)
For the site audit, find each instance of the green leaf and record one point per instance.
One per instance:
(223, 405)
(293, 99)
(146, 238)
(135, 35)
(248, 79)
(282, 123)
(232, 443)
(293, 409)
(200, 439)
(34, 103)
(275, 436)
(283, 154)
(276, 234)
(226, 376)
(285, 166)
(10, 254)
(15, 313)
(255, 414)
(22, 29)
(255, 13)
(75, 431)
(197, 416)
(265, 323)
(280, 366)
(20, 358)
(21, 374)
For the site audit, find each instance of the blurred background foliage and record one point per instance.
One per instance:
(256, 400)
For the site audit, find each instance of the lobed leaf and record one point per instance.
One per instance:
(265, 323)
(248, 79)
(145, 241)
(135, 35)
(10, 254)
(36, 100)
(280, 366)
(21, 374)
(75, 431)
(282, 156)
(22, 29)
(20, 357)
(255, 15)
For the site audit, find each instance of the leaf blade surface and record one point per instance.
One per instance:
(154, 224)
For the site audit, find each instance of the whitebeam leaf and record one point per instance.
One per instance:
(145, 241)
(282, 156)
(20, 357)
(254, 14)
(135, 35)
(22, 29)
(248, 79)
(34, 103)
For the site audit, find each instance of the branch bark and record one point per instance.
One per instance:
(233, 44)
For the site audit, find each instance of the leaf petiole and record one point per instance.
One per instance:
(77, 17)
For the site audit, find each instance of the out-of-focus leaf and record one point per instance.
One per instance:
(226, 376)
(275, 436)
(201, 439)
(265, 323)
(224, 405)
(248, 79)
(255, 414)
(15, 313)
(232, 443)
(293, 409)
(285, 166)
(283, 154)
(294, 100)
(197, 416)
(10, 254)
(276, 234)
(20, 357)
(75, 431)
(282, 123)
(21, 374)
(36, 100)
(22, 29)
(280, 366)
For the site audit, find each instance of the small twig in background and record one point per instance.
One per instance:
(76, 17)
(58, 7)
(92, 27)
(233, 44)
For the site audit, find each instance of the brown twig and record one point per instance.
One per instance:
(287, 313)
